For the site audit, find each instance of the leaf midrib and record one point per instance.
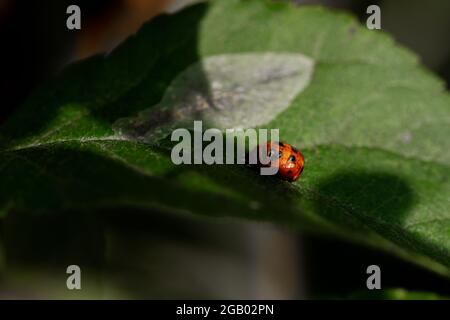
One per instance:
(117, 138)
(362, 216)
(139, 170)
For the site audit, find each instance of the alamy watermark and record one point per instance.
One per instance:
(236, 146)
(73, 21)
(374, 20)
(374, 280)
(73, 281)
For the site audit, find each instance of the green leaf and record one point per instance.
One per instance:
(370, 121)
(225, 91)
(396, 294)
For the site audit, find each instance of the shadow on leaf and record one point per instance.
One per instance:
(104, 88)
(375, 196)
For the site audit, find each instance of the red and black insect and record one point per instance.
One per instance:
(290, 161)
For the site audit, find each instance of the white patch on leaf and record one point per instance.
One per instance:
(225, 91)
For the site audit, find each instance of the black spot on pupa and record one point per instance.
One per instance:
(292, 159)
